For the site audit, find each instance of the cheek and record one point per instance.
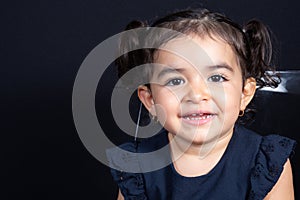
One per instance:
(166, 96)
(167, 106)
(233, 102)
(166, 102)
(219, 96)
(227, 98)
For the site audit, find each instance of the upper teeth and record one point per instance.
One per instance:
(199, 117)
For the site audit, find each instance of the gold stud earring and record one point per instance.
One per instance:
(153, 117)
(241, 113)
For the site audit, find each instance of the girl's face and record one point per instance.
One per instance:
(197, 93)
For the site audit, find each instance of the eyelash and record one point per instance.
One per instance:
(220, 76)
(169, 82)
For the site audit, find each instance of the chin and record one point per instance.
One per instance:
(198, 139)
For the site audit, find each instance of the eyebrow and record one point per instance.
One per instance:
(169, 70)
(221, 66)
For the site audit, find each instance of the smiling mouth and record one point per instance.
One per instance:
(198, 118)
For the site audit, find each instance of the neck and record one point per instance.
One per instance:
(181, 147)
(196, 159)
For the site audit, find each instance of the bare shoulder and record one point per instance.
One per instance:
(284, 188)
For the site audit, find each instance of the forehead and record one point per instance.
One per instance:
(197, 52)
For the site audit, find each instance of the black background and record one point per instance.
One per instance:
(43, 44)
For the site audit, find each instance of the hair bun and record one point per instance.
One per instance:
(136, 24)
(261, 54)
(131, 59)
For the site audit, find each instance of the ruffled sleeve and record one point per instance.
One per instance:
(273, 153)
(124, 165)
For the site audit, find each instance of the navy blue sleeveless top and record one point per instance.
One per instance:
(248, 169)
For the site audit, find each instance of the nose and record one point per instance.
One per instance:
(197, 91)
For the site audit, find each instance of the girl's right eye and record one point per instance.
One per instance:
(175, 81)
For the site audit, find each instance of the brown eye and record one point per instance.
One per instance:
(175, 81)
(217, 78)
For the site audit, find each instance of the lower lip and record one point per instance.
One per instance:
(198, 122)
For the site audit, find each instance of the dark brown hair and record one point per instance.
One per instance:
(251, 42)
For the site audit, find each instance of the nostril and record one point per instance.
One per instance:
(196, 91)
(194, 97)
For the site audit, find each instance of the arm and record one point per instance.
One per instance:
(283, 189)
(120, 196)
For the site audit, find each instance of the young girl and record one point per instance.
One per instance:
(197, 91)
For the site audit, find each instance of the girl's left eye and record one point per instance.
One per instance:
(217, 78)
(175, 81)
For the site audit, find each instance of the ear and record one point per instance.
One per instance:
(145, 95)
(248, 92)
